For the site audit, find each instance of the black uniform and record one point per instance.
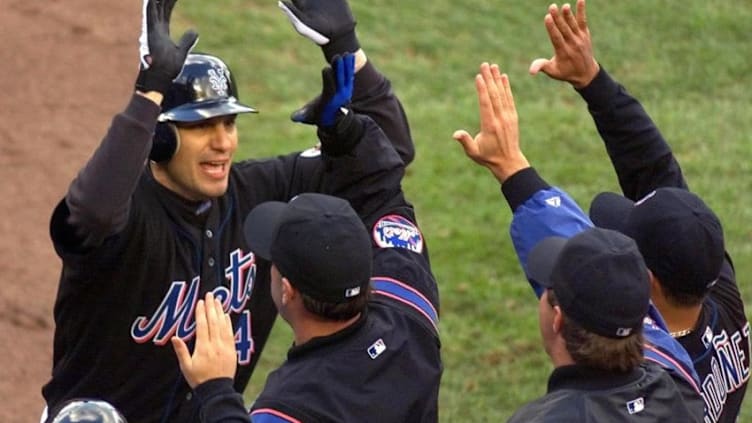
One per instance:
(585, 395)
(719, 343)
(150, 255)
(386, 367)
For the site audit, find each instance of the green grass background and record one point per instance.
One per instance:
(688, 62)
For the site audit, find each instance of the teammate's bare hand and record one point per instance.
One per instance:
(214, 355)
(573, 59)
(497, 145)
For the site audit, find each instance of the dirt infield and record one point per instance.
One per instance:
(68, 66)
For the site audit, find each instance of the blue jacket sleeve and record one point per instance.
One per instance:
(540, 211)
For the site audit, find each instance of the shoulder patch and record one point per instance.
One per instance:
(395, 231)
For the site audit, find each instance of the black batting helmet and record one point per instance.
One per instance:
(87, 411)
(204, 89)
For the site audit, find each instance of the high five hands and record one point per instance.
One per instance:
(497, 145)
(214, 355)
(573, 59)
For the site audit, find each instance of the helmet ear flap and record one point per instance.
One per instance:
(164, 143)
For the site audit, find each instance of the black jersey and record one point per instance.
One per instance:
(719, 343)
(127, 289)
(585, 395)
(386, 367)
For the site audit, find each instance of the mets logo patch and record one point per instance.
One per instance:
(395, 231)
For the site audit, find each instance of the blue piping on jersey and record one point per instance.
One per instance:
(402, 292)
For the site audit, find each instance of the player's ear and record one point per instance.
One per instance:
(558, 320)
(288, 291)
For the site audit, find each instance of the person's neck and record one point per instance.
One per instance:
(680, 320)
(559, 355)
(309, 328)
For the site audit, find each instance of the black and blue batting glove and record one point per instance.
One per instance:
(328, 23)
(161, 58)
(342, 75)
(338, 81)
(339, 128)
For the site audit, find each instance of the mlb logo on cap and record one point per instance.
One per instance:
(622, 332)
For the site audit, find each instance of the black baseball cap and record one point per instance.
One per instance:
(679, 236)
(316, 241)
(599, 278)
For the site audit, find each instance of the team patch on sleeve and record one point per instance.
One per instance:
(394, 231)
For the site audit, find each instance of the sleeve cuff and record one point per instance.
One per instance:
(365, 79)
(519, 187)
(600, 91)
(142, 110)
(214, 387)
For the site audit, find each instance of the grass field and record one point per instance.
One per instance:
(688, 62)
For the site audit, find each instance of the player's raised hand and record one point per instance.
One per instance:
(328, 23)
(337, 84)
(573, 59)
(214, 355)
(161, 58)
(497, 145)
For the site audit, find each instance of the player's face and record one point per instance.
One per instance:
(200, 168)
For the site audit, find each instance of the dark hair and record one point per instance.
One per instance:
(600, 352)
(680, 298)
(337, 311)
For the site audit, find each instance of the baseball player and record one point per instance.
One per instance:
(154, 220)
(694, 283)
(355, 285)
(612, 359)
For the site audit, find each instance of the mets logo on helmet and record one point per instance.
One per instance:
(395, 231)
(218, 81)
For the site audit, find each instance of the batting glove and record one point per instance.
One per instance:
(161, 58)
(339, 128)
(328, 23)
(337, 83)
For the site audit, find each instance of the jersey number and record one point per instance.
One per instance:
(243, 339)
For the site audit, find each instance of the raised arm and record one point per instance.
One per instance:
(98, 200)
(331, 25)
(539, 209)
(640, 155)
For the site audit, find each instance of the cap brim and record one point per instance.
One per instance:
(610, 211)
(194, 112)
(260, 227)
(542, 258)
